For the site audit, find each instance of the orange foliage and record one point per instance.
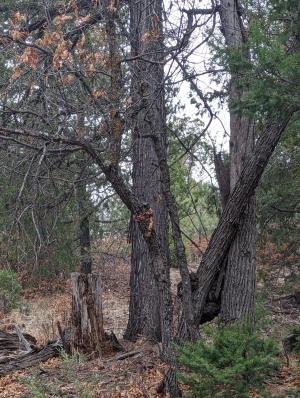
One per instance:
(29, 57)
(61, 55)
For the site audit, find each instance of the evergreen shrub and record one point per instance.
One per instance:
(235, 361)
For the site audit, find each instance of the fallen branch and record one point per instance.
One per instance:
(25, 344)
(289, 296)
(124, 356)
(65, 344)
(11, 341)
(29, 359)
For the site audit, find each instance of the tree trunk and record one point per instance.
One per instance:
(238, 294)
(232, 215)
(239, 287)
(191, 332)
(222, 171)
(221, 239)
(149, 177)
(147, 80)
(144, 305)
(87, 332)
(84, 228)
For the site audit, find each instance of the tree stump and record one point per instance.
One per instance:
(87, 332)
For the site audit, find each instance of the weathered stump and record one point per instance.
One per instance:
(87, 332)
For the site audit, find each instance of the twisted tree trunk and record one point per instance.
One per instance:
(234, 210)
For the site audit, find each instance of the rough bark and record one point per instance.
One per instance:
(13, 355)
(87, 333)
(223, 235)
(147, 98)
(239, 286)
(231, 217)
(148, 115)
(191, 331)
(29, 359)
(84, 228)
(222, 171)
(11, 341)
(238, 294)
(144, 305)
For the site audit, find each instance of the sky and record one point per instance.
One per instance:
(199, 60)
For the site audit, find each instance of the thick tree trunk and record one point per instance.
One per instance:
(87, 332)
(147, 99)
(148, 110)
(239, 287)
(144, 304)
(238, 294)
(232, 215)
(222, 171)
(219, 244)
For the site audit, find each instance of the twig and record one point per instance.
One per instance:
(124, 356)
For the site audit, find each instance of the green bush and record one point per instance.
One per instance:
(234, 362)
(10, 290)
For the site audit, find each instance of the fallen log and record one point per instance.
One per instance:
(29, 359)
(11, 341)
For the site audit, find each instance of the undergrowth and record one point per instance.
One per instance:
(234, 362)
(67, 381)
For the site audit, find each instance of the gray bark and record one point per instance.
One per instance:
(33, 358)
(222, 171)
(232, 215)
(84, 228)
(222, 237)
(147, 98)
(238, 294)
(87, 332)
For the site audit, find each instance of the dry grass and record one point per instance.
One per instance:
(41, 316)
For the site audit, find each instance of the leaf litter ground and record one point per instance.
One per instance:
(107, 377)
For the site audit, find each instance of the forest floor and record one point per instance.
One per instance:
(139, 375)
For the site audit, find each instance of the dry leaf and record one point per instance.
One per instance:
(98, 93)
(17, 73)
(30, 57)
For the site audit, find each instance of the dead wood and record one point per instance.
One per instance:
(65, 337)
(116, 345)
(87, 332)
(29, 359)
(128, 354)
(19, 351)
(25, 344)
(11, 341)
